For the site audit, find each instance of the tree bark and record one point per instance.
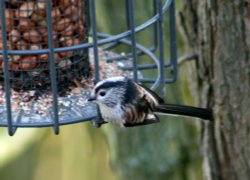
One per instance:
(219, 32)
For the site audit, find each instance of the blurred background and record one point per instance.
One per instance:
(167, 150)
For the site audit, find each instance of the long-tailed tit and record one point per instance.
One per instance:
(125, 103)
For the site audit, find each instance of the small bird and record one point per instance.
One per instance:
(126, 103)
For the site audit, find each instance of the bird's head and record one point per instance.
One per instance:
(109, 91)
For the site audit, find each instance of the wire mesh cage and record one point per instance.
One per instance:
(49, 67)
(25, 25)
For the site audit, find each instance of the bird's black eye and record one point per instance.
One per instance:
(102, 93)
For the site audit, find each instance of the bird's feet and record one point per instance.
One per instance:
(98, 121)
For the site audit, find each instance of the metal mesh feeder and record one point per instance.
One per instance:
(26, 31)
(53, 89)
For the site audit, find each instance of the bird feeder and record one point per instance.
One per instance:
(51, 54)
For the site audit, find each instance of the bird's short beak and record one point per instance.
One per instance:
(91, 98)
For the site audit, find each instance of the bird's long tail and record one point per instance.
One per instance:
(206, 114)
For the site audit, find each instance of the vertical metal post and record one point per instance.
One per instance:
(11, 129)
(127, 14)
(133, 38)
(155, 27)
(52, 68)
(161, 48)
(95, 48)
(173, 42)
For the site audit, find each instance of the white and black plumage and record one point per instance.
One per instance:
(125, 103)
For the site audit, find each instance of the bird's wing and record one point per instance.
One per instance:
(150, 95)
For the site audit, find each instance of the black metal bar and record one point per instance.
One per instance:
(124, 57)
(161, 47)
(49, 124)
(152, 80)
(128, 55)
(117, 58)
(155, 27)
(133, 37)
(127, 14)
(111, 45)
(173, 42)
(95, 45)
(147, 52)
(52, 68)
(11, 128)
(144, 66)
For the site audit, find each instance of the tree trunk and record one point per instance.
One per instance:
(219, 32)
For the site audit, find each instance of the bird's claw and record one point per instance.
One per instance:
(98, 121)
